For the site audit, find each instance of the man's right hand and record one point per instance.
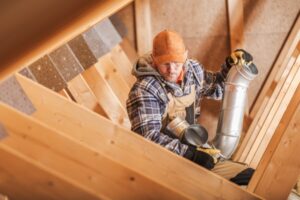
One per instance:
(200, 157)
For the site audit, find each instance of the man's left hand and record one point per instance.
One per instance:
(239, 56)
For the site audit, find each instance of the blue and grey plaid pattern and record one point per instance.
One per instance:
(148, 99)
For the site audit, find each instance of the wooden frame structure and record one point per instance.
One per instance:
(74, 148)
(81, 146)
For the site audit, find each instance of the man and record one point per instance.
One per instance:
(171, 85)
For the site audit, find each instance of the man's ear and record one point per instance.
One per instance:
(153, 61)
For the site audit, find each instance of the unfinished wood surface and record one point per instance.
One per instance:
(123, 64)
(236, 23)
(275, 115)
(65, 94)
(279, 169)
(285, 93)
(106, 97)
(36, 46)
(2, 197)
(83, 95)
(129, 49)
(143, 26)
(247, 136)
(77, 163)
(263, 113)
(279, 66)
(109, 71)
(24, 178)
(132, 150)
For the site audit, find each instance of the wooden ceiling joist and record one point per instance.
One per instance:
(279, 168)
(114, 78)
(274, 116)
(128, 149)
(143, 26)
(122, 61)
(271, 102)
(83, 95)
(106, 97)
(24, 178)
(74, 162)
(236, 23)
(37, 46)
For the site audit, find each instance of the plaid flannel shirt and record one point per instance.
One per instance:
(148, 99)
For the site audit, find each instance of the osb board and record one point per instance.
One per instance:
(267, 23)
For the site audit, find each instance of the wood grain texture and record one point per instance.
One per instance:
(129, 149)
(279, 168)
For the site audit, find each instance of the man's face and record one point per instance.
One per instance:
(170, 71)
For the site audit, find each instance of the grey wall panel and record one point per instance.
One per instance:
(66, 62)
(46, 74)
(95, 43)
(27, 73)
(82, 52)
(108, 33)
(12, 94)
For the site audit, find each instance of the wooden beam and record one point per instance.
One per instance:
(106, 97)
(282, 100)
(108, 70)
(77, 163)
(123, 64)
(2, 197)
(279, 169)
(23, 178)
(94, 12)
(278, 68)
(130, 149)
(143, 26)
(83, 95)
(276, 114)
(129, 50)
(236, 23)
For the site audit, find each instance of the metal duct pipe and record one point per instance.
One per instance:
(233, 106)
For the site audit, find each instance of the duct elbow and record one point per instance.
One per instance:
(233, 106)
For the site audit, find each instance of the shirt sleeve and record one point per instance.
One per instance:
(212, 83)
(145, 113)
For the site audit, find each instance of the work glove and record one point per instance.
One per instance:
(240, 56)
(200, 157)
(243, 177)
(214, 153)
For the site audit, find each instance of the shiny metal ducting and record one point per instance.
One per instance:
(233, 106)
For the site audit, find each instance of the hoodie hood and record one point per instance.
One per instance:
(144, 66)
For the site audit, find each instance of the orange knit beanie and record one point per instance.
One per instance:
(168, 46)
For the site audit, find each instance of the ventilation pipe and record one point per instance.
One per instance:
(233, 106)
